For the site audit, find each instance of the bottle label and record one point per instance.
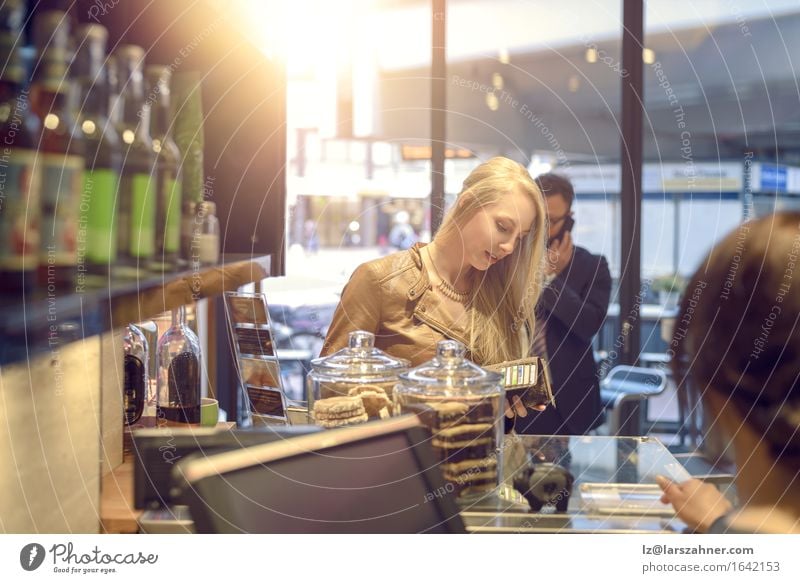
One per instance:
(97, 216)
(143, 216)
(20, 188)
(172, 227)
(62, 185)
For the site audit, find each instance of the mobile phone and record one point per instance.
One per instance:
(569, 222)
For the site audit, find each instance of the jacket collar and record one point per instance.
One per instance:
(420, 280)
(425, 309)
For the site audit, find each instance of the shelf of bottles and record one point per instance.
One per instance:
(100, 162)
(102, 213)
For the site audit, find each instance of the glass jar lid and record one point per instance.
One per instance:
(359, 362)
(449, 372)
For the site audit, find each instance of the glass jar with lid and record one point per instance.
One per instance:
(462, 405)
(359, 370)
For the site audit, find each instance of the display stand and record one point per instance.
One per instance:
(257, 365)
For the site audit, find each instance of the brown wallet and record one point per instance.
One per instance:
(528, 378)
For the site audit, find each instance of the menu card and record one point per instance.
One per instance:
(257, 362)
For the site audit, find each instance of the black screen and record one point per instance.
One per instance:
(157, 451)
(386, 484)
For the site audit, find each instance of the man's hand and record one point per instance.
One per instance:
(697, 504)
(559, 254)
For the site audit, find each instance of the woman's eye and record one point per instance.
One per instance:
(501, 228)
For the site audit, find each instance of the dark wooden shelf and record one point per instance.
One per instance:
(39, 321)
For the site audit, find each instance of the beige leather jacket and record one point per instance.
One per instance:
(389, 297)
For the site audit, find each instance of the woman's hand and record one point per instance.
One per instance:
(697, 504)
(515, 407)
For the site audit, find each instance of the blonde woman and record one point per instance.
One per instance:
(477, 282)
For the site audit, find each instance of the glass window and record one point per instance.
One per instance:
(718, 82)
(702, 223)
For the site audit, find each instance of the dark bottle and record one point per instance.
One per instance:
(168, 185)
(188, 133)
(179, 372)
(12, 16)
(136, 204)
(135, 378)
(103, 154)
(60, 152)
(20, 176)
(114, 113)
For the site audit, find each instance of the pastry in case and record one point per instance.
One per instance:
(461, 404)
(339, 411)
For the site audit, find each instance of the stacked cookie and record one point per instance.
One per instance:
(374, 398)
(464, 436)
(339, 411)
(360, 404)
(468, 454)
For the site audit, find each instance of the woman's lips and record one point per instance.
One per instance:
(491, 258)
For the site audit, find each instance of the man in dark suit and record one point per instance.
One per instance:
(570, 312)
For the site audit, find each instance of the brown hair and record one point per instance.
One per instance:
(738, 329)
(552, 184)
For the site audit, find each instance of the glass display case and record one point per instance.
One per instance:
(614, 487)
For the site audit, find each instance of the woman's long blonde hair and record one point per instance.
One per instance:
(502, 307)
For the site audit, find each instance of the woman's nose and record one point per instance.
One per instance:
(507, 247)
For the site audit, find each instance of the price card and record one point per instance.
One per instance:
(266, 401)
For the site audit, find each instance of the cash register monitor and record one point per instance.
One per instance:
(380, 477)
(156, 451)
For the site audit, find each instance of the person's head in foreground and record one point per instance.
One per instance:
(498, 225)
(737, 342)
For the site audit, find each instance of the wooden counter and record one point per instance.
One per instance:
(117, 512)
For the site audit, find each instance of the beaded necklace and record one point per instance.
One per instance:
(447, 288)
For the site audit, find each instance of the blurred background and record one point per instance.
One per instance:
(538, 82)
(318, 117)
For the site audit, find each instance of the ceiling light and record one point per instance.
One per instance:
(497, 81)
(504, 57)
(573, 83)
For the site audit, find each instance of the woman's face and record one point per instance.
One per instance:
(493, 232)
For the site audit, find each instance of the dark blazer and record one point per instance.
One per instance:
(574, 307)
